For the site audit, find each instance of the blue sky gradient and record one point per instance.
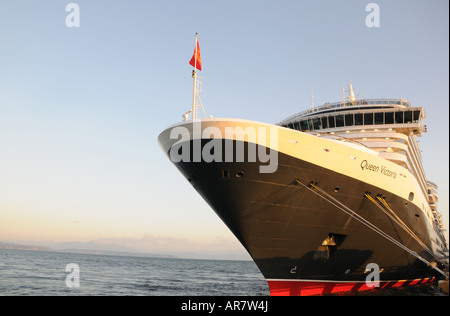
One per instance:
(81, 108)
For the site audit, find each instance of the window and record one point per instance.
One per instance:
(379, 118)
(349, 120)
(316, 123)
(358, 119)
(389, 118)
(324, 122)
(408, 117)
(416, 116)
(225, 173)
(303, 125)
(399, 117)
(339, 120)
(368, 118)
(331, 121)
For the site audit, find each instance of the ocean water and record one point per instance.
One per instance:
(40, 273)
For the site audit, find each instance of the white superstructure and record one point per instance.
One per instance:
(388, 126)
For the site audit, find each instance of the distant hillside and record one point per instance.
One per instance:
(95, 248)
(98, 251)
(113, 253)
(23, 247)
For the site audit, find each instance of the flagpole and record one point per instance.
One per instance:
(194, 75)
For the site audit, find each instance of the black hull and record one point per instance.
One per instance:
(283, 224)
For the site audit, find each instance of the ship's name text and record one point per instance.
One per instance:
(365, 165)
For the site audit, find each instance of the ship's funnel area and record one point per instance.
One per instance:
(351, 92)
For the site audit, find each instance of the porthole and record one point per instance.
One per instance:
(336, 189)
(192, 178)
(411, 196)
(239, 174)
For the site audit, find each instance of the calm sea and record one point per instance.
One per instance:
(39, 273)
(44, 273)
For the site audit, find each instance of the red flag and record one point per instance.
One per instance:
(196, 60)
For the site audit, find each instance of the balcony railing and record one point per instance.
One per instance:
(363, 102)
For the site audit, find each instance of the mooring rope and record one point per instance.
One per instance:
(330, 199)
(399, 222)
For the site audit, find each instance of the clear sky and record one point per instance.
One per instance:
(81, 107)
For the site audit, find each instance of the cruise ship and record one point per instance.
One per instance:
(332, 199)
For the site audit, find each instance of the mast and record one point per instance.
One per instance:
(194, 75)
(196, 62)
